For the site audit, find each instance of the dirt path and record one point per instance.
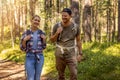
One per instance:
(13, 71)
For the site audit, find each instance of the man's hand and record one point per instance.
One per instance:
(79, 58)
(59, 30)
(54, 37)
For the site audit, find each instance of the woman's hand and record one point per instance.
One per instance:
(27, 38)
(43, 37)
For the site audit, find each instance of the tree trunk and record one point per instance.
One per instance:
(32, 4)
(48, 16)
(19, 15)
(87, 21)
(2, 27)
(96, 23)
(114, 20)
(75, 10)
(118, 20)
(26, 13)
(12, 24)
(0, 19)
(58, 6)
(109, 22)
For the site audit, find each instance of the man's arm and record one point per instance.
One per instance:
(79, 44)
(55, 35)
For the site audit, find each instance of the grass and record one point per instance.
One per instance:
(101, 61)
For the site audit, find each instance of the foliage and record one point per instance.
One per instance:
(13, 54)
(49, 65)
(5, 45)
(100, 61)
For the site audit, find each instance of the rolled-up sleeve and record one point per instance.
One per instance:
(44, 44)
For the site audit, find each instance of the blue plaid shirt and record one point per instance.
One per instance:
(29, 44)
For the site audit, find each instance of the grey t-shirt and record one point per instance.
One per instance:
(67, 37)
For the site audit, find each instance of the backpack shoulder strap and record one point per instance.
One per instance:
(75, 26)
(41, 32)
(28, 31)
(59, 25)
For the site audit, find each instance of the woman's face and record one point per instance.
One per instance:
(35, 21)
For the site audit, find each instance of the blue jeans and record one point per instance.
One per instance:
(33, 67)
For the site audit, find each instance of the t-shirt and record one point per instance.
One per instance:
(35, 40)
(67, 37)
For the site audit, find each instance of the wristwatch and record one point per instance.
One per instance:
(80, 53)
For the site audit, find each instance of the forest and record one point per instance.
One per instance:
(99, 22)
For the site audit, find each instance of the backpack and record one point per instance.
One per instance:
(73, 29)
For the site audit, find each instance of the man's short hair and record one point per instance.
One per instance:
(68, 10)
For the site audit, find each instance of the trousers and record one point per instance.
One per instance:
(33, 66)
(67, 59)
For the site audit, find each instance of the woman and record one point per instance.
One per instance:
(33, 42)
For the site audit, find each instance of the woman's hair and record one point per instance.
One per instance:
(35, 16)
(68, 10)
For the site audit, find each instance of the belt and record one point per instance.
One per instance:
(64, 48)
(35, 51)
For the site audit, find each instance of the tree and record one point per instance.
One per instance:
(109, 22)
(2, 20)
(114, 20)
(48, 4)
(75, 10)
(118, 20)
(95, 17)
(32, 4)
(87, 20)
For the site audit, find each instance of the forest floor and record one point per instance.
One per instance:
(14, 71)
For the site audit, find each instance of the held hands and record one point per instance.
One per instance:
(59, 30)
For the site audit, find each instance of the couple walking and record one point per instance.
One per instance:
(65, 34)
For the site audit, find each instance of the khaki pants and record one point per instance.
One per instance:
(66, 59)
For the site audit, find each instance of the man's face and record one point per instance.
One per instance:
(65, 17)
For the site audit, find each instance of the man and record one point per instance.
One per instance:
(66, 34)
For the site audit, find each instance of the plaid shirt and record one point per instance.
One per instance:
(29, 44)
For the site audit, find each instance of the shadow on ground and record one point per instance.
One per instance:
(13, 71)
